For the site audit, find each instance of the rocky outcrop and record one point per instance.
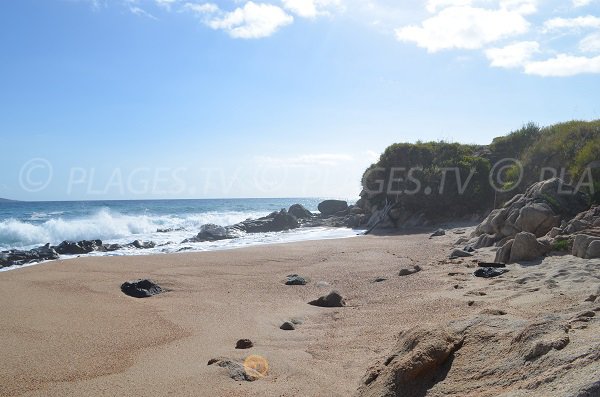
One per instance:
(488, 354)
(300, 212)
(23, 257)
(332, 207)
(543, 206)
(79, 247)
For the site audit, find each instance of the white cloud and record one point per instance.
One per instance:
(524, 7)
(140, 12)
(464, 27)
(435, 5)
(590, 43)
(581, 3)
(204, 8)
(327, 159)
(252, 21)
(564, 65)
(165, 3)
(311, 8)
(588, 21)
(513, 55)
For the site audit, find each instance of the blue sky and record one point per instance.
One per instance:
(272, 98)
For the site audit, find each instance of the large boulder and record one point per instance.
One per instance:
(332, 207)
(524, 247)
(300, 212)
(210, 232)
(538, 211)
(586, 246)
(274, 222)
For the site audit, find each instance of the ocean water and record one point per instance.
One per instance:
(26, 225)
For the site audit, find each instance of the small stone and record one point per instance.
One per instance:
(294, 279)
(333, 299)
(288, 326)
(409, 271)
(141, 288)
(244, 344)
(379, 279)
(470, 303)
(488, 272)
(591, 298)
(458, 253)
(438, 233)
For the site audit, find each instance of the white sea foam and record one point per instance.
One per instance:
(107, 225)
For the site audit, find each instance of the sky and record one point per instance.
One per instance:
(142, 99)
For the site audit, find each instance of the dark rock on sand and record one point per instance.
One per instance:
(141, 288)
(288, 326)
(244, 344)
(294, 279)
(300, 212)
(489, 272)
(409, 271)
(333, 299)
(332, 207)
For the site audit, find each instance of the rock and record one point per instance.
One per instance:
(437, 233)
(253, 368)
(379, 279)
(409, 271)
(300, 212)
(210, 232)
(416, 359)
(142, 244)
(526, 247)
(111, 247)
(458, 253)
(294, 279)
(274, 222)
(333, 299)
(141, 288)
(244, 344)
(584, 220)
(331, 207)
(489, 272)
(503, 254)
(586, 246)
(20, 257)
(79, 248)
(541, 209)
(288, 326)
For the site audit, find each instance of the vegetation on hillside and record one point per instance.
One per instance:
(451, 179)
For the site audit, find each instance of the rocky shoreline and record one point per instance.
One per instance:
(333, 213)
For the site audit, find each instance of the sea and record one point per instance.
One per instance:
(26, 225)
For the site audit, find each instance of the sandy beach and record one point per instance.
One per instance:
(68, 330)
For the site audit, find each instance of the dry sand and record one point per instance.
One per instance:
(67, 330)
